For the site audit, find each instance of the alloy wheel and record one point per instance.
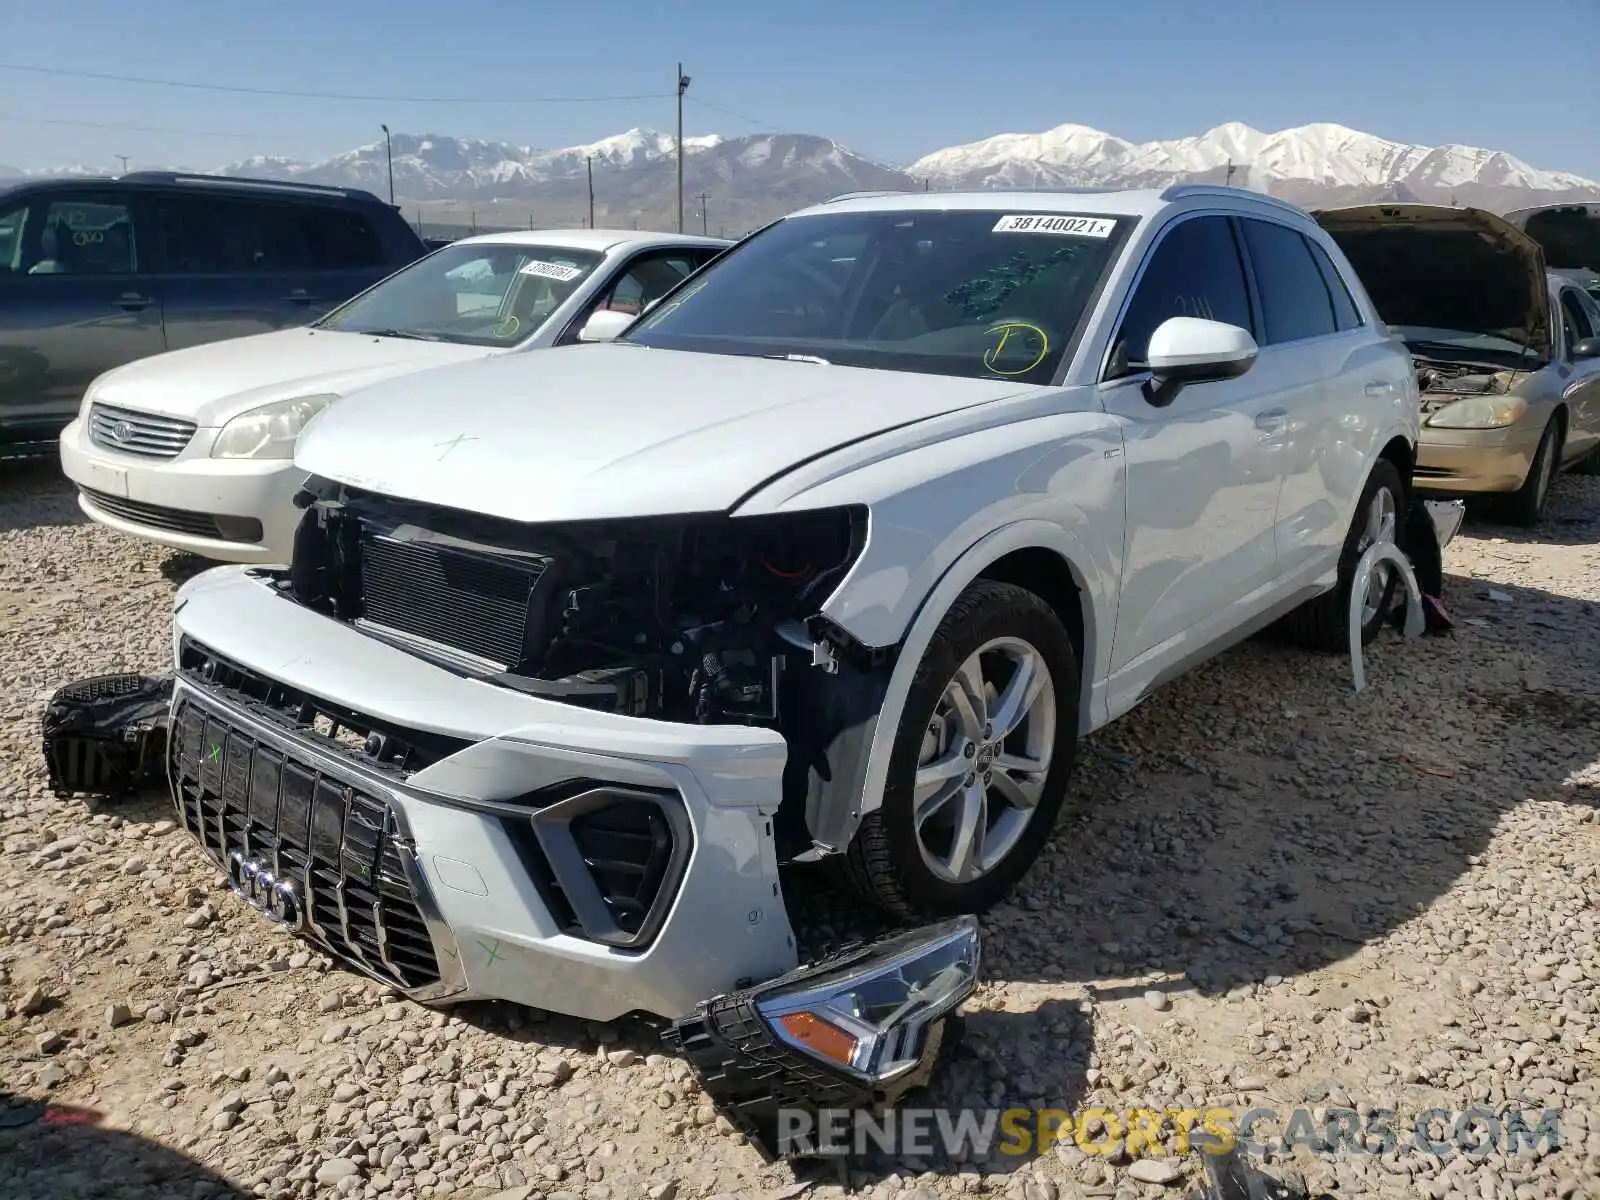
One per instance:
(984, 759)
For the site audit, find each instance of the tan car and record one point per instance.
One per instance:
(1507, 353)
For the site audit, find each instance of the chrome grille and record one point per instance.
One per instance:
(340, 844)
(144, 434)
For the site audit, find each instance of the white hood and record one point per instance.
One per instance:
(209, 384)
(586, 432)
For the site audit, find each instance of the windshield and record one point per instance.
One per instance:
(477, 295)
(991, 295)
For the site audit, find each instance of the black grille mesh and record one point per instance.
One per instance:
(339, 844)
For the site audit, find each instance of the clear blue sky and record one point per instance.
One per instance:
(891, 79)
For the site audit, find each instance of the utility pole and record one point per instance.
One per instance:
(474, 218)
(1229, 180)
(703, 198)
(124, 159)
(588, 161)
(924, 185)
(683, 86)
(388, 146)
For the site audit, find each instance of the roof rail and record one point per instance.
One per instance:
(1183, 191)
(868, 195)
(240, 181)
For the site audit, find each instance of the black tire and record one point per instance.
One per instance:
(1526, 505)
(1323, 623)
(884, 863)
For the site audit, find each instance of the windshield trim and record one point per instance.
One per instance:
(601, 258)
(1124, 225)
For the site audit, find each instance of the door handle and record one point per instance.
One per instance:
(1379, 387)
(132, 302)
(1272, 420)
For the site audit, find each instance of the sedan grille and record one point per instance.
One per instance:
(144, 434)
(176, 520)
(339, 845)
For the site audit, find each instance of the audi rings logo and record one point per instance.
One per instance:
(264, 891)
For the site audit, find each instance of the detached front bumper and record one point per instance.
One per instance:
(518, 864)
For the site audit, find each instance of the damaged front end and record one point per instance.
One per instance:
(557, 765)
(701, 619)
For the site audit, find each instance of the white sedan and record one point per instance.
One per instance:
(193, 448)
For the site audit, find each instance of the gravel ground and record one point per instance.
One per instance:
(1284, 894)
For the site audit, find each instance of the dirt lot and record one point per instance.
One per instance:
(1281, 895)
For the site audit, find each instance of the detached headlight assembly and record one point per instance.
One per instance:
(269, 431)
(852, 1032)
(1480, 412)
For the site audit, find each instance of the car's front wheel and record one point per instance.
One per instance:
(1525, 506)
(981, 759)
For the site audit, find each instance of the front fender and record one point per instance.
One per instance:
(1099, 611)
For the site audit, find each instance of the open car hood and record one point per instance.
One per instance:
(1447, 268)
(1569, 234)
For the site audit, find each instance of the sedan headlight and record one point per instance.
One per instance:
(1480, 412)
(269, 431)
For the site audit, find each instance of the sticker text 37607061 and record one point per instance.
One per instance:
(549, 270)
(1063, 224)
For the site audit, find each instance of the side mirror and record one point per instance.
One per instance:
(1587, 348)
(605, 326)
(1185, 350)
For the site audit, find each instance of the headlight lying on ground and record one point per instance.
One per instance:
(1480, 412)
(854, 1031)
(870, 1018)
(269, 431)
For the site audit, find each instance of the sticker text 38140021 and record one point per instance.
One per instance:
(1063, 224)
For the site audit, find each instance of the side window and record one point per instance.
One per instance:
(645, 281)
(1345, 313)
(336, 239)
(225, 237)
(13, 224)
(87, 235)
(1574, 320)
(1294, 299)
(1195, 272)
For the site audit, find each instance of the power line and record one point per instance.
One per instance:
(223, 133)
(704, 103)
(190, 85)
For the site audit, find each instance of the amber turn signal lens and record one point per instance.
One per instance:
(820, 1037)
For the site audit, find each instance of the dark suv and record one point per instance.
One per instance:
(98, 272)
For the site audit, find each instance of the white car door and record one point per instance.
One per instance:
(1330, 376)
(1203, 474)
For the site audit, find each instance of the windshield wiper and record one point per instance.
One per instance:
(805, 358)
(412, 334)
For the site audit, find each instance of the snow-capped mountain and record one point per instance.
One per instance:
(431, 166)
(749, 180)
(1311, 162)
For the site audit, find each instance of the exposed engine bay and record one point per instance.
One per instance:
(1443, 382)
(682, 618)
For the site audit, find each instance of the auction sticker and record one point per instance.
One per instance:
(549, 270)
(1067, 226)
